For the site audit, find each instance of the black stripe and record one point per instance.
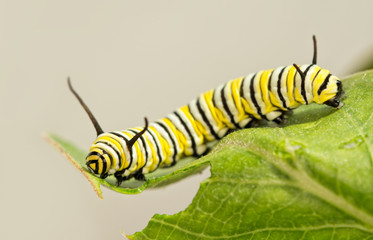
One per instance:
(269, 82)
(111, 157)
(205, 118)
(126, 140)
(96, 165)
(269, 88)
(324, 84)
(158, 148)
(104, 163)
(215, 106)
(241, 88)
(101, 157)
(243, 96)
(303, 87)
(252, 95)
(172, 140)
(315, 77)
(279, 88)
(287, 88)
(143, 144)
(235, 106)
(261, 92)
(93, 153)
(188, 131)
(120, 157)
(225, 105)
(118, 154)
(307, 69)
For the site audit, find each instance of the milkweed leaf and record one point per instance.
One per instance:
(311, 179)
(308, 179)
(161, 177)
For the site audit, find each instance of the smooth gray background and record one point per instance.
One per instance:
(130, 59)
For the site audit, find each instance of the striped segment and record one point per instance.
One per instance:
(185, 132)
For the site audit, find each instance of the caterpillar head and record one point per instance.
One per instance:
(98, 161)
(103, 158)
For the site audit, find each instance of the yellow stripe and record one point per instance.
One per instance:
(108, 164)
(274, 97)
(247, 104)
(314, 72)
(154, 159)
(290, 87)
(164, 145)
(330, 91)
(264, 79)
(181, 139)
(154, 156)
(224, 118)
(140, 157)
(93, 166)
(297, 91)
(213, 110)
(100, 165)
(249, 108)
(112, 141)
(95, 148)
(317, 83)
(199, 129)
(276, 101)
(297, 94)
(236, 83)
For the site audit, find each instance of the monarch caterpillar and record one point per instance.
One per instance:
(265, 95)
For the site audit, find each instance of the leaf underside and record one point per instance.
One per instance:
(309, 179)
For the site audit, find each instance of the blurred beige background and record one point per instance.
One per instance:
(130, 59)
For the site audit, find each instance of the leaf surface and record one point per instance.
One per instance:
(311, 179)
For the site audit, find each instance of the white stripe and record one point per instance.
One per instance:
(176, 121)
(157, 144)
(165, 135)
(186, 120)
(141, 146)
(210, 118)
(258, 92)
(110, 150)
(193, 109)
(308, 84)
(246, 91)
(219, 104)
(283, 85)
(230, 101)
(126, 152)
(274, 89)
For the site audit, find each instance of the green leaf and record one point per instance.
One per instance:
(312, 179)
(309, 179)
(161, 177)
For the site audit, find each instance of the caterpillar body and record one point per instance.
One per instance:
(265, 95)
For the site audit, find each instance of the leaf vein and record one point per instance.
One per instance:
(272, 229)
(359, 128)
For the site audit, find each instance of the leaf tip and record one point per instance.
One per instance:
(52, 139)
(124, 235)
